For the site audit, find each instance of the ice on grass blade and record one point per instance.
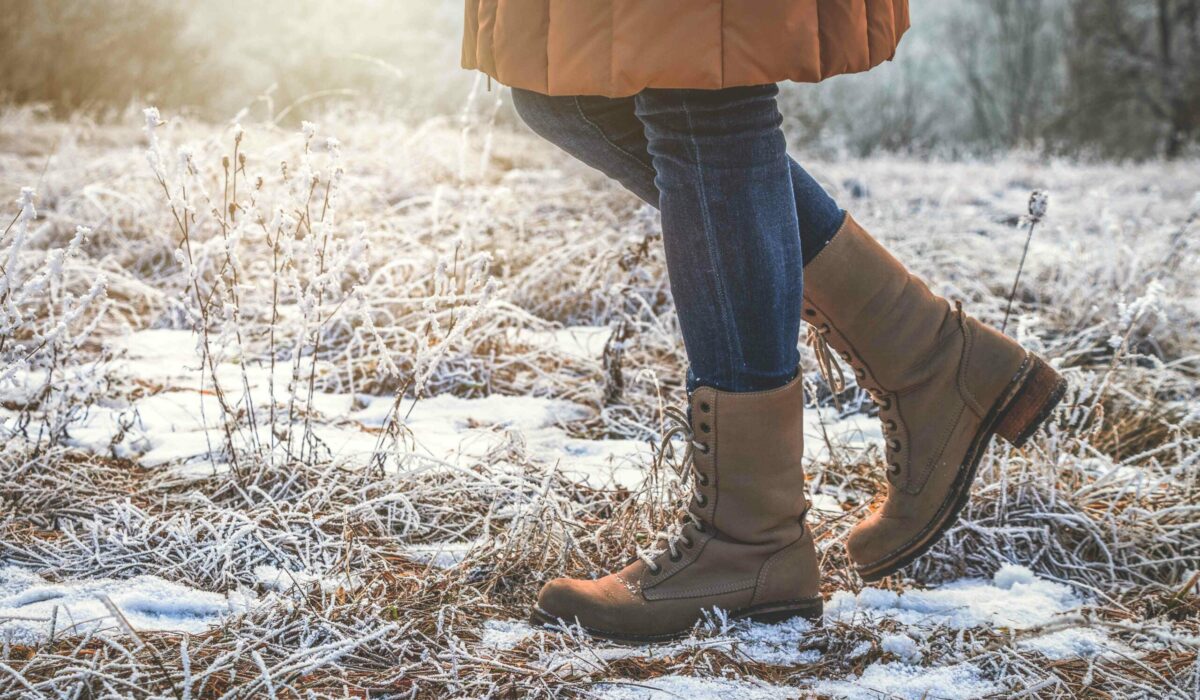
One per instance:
(42, 323)
(25, 202)
(716, 621)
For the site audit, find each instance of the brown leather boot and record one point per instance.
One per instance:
(944, 382)
(742, 545)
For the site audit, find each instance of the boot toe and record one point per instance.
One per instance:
(562, 599)
(876, 539)
(602, 605)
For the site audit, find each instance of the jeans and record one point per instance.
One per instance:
(740, 218)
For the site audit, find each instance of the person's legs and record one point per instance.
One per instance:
(730, 230)
(605, 134)
(723, 183)
(945, 382)
(601, 132)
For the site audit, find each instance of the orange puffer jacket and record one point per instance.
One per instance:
(618, 47)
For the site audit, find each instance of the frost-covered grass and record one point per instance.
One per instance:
(296, 415)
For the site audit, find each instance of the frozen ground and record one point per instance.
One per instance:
(329, 444)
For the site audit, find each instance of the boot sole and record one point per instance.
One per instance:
(811, 609)
(1020, 411)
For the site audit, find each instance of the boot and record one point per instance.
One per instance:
(944, 382)
(741, 545)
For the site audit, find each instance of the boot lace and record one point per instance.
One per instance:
(829, 368)
(826, 364)
(890, 431)
(669, 540)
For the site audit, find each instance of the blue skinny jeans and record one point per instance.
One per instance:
(740, 218)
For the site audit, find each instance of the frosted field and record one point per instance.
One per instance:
(319, 419)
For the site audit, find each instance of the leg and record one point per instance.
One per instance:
(731, 231)
(733, 254)
(599, 131)
(945, 384)
(928, 367)
(606, 134)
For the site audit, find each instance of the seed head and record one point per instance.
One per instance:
(1038, 202)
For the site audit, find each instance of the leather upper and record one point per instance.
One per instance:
(753, 548)
(935, 372)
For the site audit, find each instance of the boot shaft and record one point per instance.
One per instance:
(856, 289)
(750, 474)
(744, 547)
(944, 383)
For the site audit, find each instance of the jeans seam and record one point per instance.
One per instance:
(734, 356)
(599, 130)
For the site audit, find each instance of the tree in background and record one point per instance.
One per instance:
(1134, 75)
(1006, 55)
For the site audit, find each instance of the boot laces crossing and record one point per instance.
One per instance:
(827, 365)
(673, 536)
(831, 371)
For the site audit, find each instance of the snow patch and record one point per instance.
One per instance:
(1077, 643)
(442, 555)
(283, 580)
(181, 424)
(1015, 598)
(30, 606)
(906, 682)
(903, 646)
(585, 342)
(1010, 575)
(778, 645)
(825, 432)
(505, 634)
(665, 687)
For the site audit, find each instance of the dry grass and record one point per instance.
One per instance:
(410, 259)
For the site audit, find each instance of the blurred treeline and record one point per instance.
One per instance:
(1104, 78)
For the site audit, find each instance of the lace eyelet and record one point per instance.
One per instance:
(825, 328)
(891, 424)
(702, 479)
(701, 500)
(895, 445)
(705, 427)
(703, 448)
(676, 557)
(811, 312)
(705, 407)
(701, 527)
(655, 570)
(894, 469)
(687, 542)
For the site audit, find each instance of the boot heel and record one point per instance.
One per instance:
(1040, 391)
